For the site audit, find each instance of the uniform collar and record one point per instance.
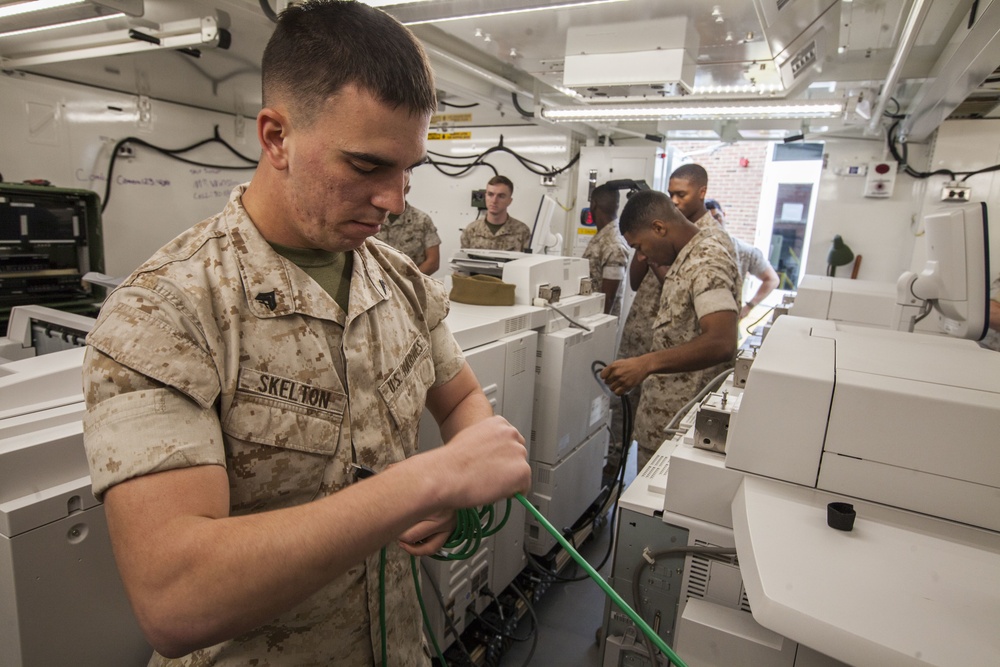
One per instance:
(275, 287)
(707, 221)
(702, 235)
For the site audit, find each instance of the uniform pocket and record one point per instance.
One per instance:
(405, 390)
(282, 437)
(281, 412)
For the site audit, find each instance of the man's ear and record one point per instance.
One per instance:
(272, 133)
(659, 227)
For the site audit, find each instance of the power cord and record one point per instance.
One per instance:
(174, 153)
(651, 558)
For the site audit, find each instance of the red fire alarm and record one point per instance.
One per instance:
(744, 162)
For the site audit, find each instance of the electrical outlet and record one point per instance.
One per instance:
(126, 151)
(548, 181)
(955, 192)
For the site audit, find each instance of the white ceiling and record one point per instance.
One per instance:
(740, 43)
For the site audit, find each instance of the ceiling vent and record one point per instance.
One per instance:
(647, 59)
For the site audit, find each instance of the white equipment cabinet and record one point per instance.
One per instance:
(61, 599)
(505, 368)
(569, 437)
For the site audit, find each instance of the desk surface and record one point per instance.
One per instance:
(901, 589)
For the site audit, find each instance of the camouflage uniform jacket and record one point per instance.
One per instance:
(702, 280)
(513, 235)
(607, 253)
(412, 234)
(218, 351)
(637, 333)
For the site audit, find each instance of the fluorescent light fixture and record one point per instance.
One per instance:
(692, 111)
(34, 6)
(68, 24)
(417, 12)
(390, 3)
(199, 32)
(746, 89)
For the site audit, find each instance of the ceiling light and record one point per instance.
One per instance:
(68, 24)
(197, 32)
(782, 109)
(390, 3)
(34, 6)
(417, 12)
(730, 90)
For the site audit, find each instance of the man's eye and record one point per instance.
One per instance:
(362, 168)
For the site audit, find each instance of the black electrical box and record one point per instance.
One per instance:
(49, 238)
(479, 199)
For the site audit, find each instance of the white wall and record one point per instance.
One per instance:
(888, 232)
(967, 145)
(64, 132)
(881, 230)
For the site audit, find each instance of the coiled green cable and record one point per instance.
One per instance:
(470, 527)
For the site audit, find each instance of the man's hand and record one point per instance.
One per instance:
(489, 461)
(625, 374)
(429, 535)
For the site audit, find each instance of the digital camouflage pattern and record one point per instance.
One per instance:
(513, 235)
(636, 339)
(412, 233)
(219, 351)
(607, 253)
(702, 280)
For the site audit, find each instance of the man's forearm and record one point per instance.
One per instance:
(474, 408)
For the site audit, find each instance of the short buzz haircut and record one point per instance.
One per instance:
(321, 46)
(502, 180)
(645, 206)
(711, 204)
(606, 199)
(692, 173)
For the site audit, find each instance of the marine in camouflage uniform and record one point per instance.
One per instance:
(411, 233)
(218, 351)
(607, 253)
(702, 280)
(513, 235)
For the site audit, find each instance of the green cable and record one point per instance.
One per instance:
(611, 593)
(423, 611)
(381, 604)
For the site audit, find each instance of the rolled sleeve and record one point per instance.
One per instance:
(145, 429)
(714, 301)
(447, 355)
(613, 272)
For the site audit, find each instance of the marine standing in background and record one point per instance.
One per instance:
(497, 230)
(750, 260)
(607, 251)
(694, 332)
(413, 233)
